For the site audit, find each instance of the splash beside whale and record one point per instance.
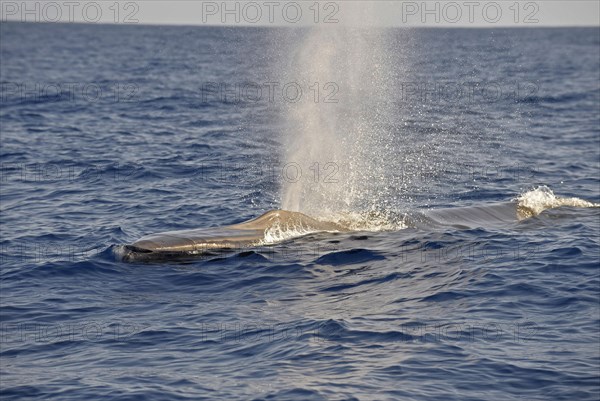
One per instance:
(279, 225)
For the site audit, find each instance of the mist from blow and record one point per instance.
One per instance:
(338, 145)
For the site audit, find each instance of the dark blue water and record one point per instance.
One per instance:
(110, 133)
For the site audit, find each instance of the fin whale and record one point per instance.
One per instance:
(252, 232)
(278, 225)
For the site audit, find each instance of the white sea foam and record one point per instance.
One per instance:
(280, 231)
(535, 201)
(369, 221)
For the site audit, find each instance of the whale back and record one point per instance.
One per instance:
(274, 218)
(252, 232)
(280, 225)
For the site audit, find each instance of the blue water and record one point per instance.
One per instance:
(109, 134)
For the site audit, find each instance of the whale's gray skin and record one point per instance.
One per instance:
(175, 244)
(490, 215)
(252, 232)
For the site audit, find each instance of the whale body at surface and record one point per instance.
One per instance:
(279, 225)
(253, 232)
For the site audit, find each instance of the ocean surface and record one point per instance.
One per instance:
(111, 133)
